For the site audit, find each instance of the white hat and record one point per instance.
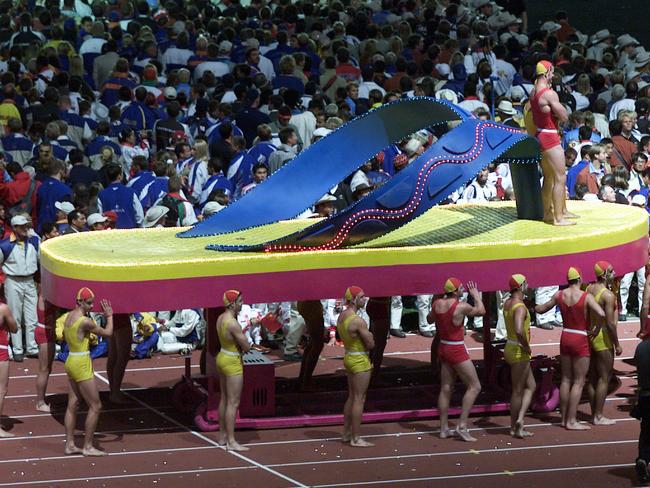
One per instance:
(641, 84)
(506, 107)
(447, 94)
(359, 181)
(327, 198)
(96, 218)
(517, 93)
(252, 43)
(603, 71)
(211, 208)
(321, 132)
(443, 69)
(170, 92)
(153, 215)
(412, 146)
(550, 26)
(626, 40)
(601, 35)
(100, 111)
(19, 220)
(225, 47)
(65, 207)
(642, 59)
(639, 200)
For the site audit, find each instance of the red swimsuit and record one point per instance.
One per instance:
(547, 128)
(4, 343)
(574, 341)
(452, 348)
(43, 334)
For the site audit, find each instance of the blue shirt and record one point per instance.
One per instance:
(572, 176)
(50, 192)
(121, 200)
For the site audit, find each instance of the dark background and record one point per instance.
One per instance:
(589, 16)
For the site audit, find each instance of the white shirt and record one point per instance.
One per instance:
(175, 55)
(20, 259)
(92, 45)
(217, 67)
(476, 193)
(366, 86)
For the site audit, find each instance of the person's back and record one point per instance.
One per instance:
(572, 306)
(52, 190)
(120, 199)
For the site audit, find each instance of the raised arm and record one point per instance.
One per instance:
(478, 309)
(92, 326)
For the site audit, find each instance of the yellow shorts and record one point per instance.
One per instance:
(601, 341)
(229, 365)
(515, 354)
(79, 368)
(357, 363)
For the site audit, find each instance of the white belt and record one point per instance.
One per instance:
(452, 343)
(230, 353)
(3, 346)
(81, 353)
(547, 130)
(356, 353)
(575, 331)
(43, 326)
(513, 342)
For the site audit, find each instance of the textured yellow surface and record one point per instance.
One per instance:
(444, 234)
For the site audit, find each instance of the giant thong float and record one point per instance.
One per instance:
(395, 241)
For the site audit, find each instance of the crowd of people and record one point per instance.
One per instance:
(125, 114)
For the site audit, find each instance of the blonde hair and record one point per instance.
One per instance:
(201, 150)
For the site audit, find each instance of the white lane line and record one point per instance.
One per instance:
(453, 453)
(477, 475)
(120, 431)
(420, 432)
(81, 412)
(122, 476)
(33, 395)
(153, 369)
(208, 440)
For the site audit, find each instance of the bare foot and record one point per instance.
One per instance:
(463, 433)
(346, 437)
(119, 399)
(71, 450)
(602, 420)
(563, 223)
(576, 426)
(93, 452)
(519, 432)
(43, 407)
(569, 215)
(222, 440)
(235, 446)
(4, 434)
(360, 443)
(446, 433)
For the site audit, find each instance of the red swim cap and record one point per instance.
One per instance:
(85, 294)
(230, 297)
(352, 292)
(452, 284)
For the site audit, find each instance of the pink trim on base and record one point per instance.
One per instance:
(130, 296)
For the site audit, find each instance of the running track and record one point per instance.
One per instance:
(151, 445)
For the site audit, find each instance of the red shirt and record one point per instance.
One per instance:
(12, 192)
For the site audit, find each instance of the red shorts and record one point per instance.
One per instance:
(548, 140)
(43, 335)
(4, 352)
(576, 345)
(452, 354)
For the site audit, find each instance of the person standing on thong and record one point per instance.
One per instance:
(546, 111)
(450, 314)
(358, 340)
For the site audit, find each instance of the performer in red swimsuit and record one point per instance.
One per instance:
(7, 326)
(574, 343)
(546, 110)
(450, 314)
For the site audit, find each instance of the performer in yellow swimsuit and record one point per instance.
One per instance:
(603, 342)
(231, 369)
(79, 368)
(358, 340)
(517, 354)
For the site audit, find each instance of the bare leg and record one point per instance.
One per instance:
(565, 385)
(447, 377)
(88, 390)
(467, 373)
(523, 387)
(604, 362)
(547, 189)
(223, 401)
(119, 353)
(358, 387)
(233, 390)
(71, 419)
(580, 367)
(557, 164)
(347, 433)
(4, 385)
(45, 358)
